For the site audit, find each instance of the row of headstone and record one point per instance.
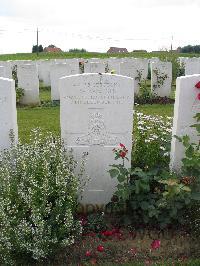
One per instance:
(49, 71)
(96, 115)
(190, 65)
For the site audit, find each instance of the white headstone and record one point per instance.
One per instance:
(57, 71)
(29, 82)
(94, 67)
(8, 69)
(161, 78)
(44, 71)
(97, 115)
(8, 113)
(2, 72)
(113, 65)
(136, 69)
(192, 66)
(187, 105)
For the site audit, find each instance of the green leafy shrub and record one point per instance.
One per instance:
(158, 197)
(154, 198)
(38, 197)
(19, 91)
(19, 94)
(191, 176)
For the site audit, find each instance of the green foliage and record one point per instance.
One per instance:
(150, 197)
(36, 48)
(95, 223)
(19, 91)
(38, 198)
(191, 49)
(14, 75)
(160, 78)
(76, 50)
(19, 94)
(157, 197)
(191, 173)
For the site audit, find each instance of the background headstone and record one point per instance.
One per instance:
(161, 78)
(2, 72)
(94, 67)
(136, 69)
(97, 115)
(57, 71)
(8, 113)
(29, 82)
(192, 66)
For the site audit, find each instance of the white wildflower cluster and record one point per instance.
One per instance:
(152, 137)
(37, 198)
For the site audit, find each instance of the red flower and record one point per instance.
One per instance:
(198, 96)
(107, 233)
(88, 253)
(122, 145)
(100, 248)
(155, 244)
(198, 85)
(122, 154)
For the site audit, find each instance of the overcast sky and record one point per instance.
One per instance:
(97, 25)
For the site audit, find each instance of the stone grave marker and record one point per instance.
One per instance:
(8, 69)
(192, 66)
(29, 82)
(57, 71)
(8, 113)
(187, 105)
(96, 115)
(161, 78)
(2, 72)
(136, 69)
(94, 67)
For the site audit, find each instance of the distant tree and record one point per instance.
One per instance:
(76, 50)
(191, 49)
(34, 48)
(40, 48)
(52, 46)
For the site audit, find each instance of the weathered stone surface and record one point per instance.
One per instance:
(187, 105)
(97, 115)
(92, 67)
(29, 82)
(161, 78)
(8, 113)
(136, 69)
(56, 72)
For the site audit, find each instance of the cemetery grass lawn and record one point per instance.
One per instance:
(48, 118)
(156, 109)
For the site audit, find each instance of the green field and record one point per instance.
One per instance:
(33, 56)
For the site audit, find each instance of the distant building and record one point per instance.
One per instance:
(117, 50)
(52, 49)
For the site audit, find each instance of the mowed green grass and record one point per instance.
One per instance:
(33, 56)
